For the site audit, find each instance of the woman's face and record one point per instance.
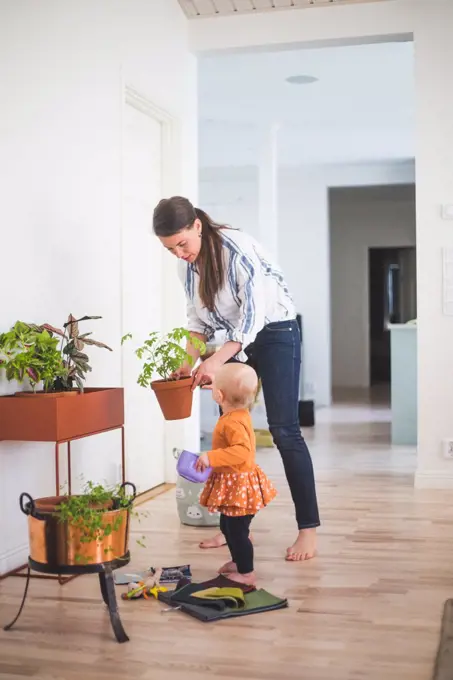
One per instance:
(186, 244)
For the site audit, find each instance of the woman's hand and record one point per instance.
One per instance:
(204, 374)
(202, 462)
(185, 371)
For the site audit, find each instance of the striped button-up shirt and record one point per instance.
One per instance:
(254, 292)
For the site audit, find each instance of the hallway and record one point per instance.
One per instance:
(368, 608)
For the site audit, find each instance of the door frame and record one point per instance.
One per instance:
(170, 154)
(170, 135)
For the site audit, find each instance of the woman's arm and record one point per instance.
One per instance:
(227, 351)
(251, 318)
(195, 326)
(206, 371)
(186, 369)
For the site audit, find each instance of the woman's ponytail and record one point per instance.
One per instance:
(210, 260)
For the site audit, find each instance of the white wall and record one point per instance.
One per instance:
(304, 252)
(361, 218)
(304, 258)
(231, 196)
(303, 239)
(63, 65)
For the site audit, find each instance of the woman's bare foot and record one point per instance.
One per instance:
(304, 548)
(246, 579)
(228, 568)
(218, 541)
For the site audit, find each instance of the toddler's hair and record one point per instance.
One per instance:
(239, 384)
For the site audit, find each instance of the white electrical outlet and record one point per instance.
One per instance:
(447, 447)
(447, 211)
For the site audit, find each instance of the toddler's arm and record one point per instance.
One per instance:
(237, 451)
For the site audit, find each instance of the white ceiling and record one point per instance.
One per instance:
(361, 108)
(210, 8)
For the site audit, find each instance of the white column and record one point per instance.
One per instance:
(434, 184)
(268, 190)
(180, 434)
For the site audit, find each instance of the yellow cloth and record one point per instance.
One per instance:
(233, 596)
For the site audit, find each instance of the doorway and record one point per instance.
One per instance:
(392, 300)
(141, 291)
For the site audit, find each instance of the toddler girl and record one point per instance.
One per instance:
(237, 487)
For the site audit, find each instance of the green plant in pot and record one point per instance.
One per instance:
(43, 353)
(163, 356)
(30, 352)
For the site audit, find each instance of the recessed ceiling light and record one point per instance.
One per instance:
(301, 80)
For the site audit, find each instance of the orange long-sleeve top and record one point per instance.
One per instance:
(233, 443)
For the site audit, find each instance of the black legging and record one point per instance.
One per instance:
(237, 535)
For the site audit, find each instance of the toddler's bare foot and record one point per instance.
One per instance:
(218, 541)
(304, 548)
(246, 579)
(228, 568)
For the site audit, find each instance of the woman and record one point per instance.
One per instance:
(232, 286)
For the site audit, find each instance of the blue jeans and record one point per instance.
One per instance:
(276, 356)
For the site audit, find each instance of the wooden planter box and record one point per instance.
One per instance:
(59, 418)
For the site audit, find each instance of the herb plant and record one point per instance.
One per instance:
(87, 512)
(164, 354)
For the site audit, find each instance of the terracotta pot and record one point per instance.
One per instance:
(59, 419)
(174, 397)
(51, 395)
(58, 543)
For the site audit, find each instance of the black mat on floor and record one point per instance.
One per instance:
(443, 669)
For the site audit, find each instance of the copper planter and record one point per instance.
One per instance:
(59, 544)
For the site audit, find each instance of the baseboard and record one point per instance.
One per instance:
(146, 496)
(11, 559)
(434, 479)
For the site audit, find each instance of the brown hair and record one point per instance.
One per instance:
(171, 216)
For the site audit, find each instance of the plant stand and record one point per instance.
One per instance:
(105, 572)
(62, 421)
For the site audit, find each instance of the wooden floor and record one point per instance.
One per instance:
(369, 607)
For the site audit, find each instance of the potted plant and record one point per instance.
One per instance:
(29, 351)
(55, 358)
(162, 356)
(90, 528)
(75, 361)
